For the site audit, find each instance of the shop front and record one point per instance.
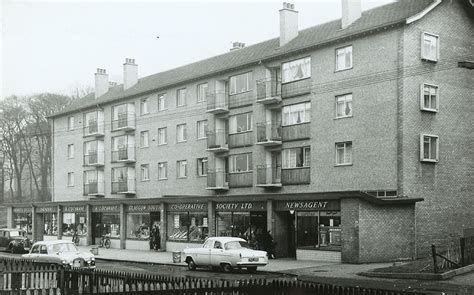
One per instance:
(75, 222)
(143, 223)
(106, 223)
(47, 222)
(22, 219)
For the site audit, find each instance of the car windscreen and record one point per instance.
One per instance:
(15, 233)
(69, 247)
(236, 245)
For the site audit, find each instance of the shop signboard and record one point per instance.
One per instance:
(22, 210)
(241, 206)
(106, 208)
(188, 207)
(46, 209)
(144, 208)
(311, 205)
(74, 209)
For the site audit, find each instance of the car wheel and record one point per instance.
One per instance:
(226, 267)
(252, 269)
(191, 264)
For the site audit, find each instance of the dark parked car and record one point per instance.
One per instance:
(14, 240)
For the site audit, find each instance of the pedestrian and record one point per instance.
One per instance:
(269, 244)
(155, 236)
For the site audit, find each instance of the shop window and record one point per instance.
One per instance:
(138, 226)
(74, 222)
(23, 221)
(319, 229)
(110, 225)
(187, 226)
(50, 224)
(246, 225)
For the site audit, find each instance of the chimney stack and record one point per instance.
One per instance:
(288, 23)
(351, 11)
(101, 82)
(130, 73)
(237, 46)
(112, 84)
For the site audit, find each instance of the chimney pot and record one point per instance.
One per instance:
(288, 23)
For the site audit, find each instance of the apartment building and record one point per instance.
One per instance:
(349, 141)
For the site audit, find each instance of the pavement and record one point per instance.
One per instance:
(314, 271)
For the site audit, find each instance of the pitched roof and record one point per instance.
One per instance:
(382, 16)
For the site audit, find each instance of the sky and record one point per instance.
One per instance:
(56, 46)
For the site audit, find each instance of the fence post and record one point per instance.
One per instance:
(463, 247)
(433, 253)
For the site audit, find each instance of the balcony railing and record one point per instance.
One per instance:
(241, 179)
(269, 176)
(126, 154)
(268, 91)
(93, 129)
(300, 175)
(94, 189)
(94, 158)
(124, 186)
(297, 131)
(124, 122)
(241, 99)
(241, 139)
(217, 180)
(295, 88)
(269, 133)
(217, 141)
(217, 102)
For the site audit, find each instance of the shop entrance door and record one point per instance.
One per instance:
(96, 228)
(291, 222)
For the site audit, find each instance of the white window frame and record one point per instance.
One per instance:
(347, 98)
(422, 148)
(180, 165)
(345, 50)
(233, 128)
(343, 145)
(424, 54)
(201, 94)
(70, 179)
(202, 166)
(163, 138)
(288, 110)
(201, 129)
(70, 151)
(287, 155)
(181, 97)
(162, 102)
(145, 172)
(233, 83)
(70, 123)
(233, 163)
(181, 133)
(115, 174)
(422, 97)
(287, 66)
(144, 109)
(144, 138)
(162, 167)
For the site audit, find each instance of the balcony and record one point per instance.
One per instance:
(123, 186)
(241, 99)
(125, 122)
(240, 179)
(268, 91)
(241, 139)
(217, 180)
(217, 102)
(301, 175)
(124, 155)
(217, 141)
(93, 129)
(296, 88)
(296, 132)
(269, 133)
(268, 176)
(94, 158)
(94, 189)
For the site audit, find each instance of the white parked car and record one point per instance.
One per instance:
(60, 252)
(226, 253)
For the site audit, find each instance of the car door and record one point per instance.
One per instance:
(217, 252)
(203, 255)
(34, 252)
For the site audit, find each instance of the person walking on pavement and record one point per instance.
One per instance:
(155, 237)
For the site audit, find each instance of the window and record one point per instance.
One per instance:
(344, 58)
(120, 112)
(201, 129)
(202, 166)
(430, 47)
(138, 225)
(296, 157)
(181, 135)
(70, 179)
(161, 102)
(296, 113)
(119, 174)
(344, 153)
(162, 170)
(70, 151)
(181, 167)
(429, 97)
(70, 123)
(296, 70)
(144, 107)
(240, 163)
(240, 123)
(201, 92)
(145, 172)
(181, 97)
(344, 106)
(144, 136)
(241, 83)
(429, 147)
(119, 143)
(91, 122)
(187, 226)
(162, 136)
